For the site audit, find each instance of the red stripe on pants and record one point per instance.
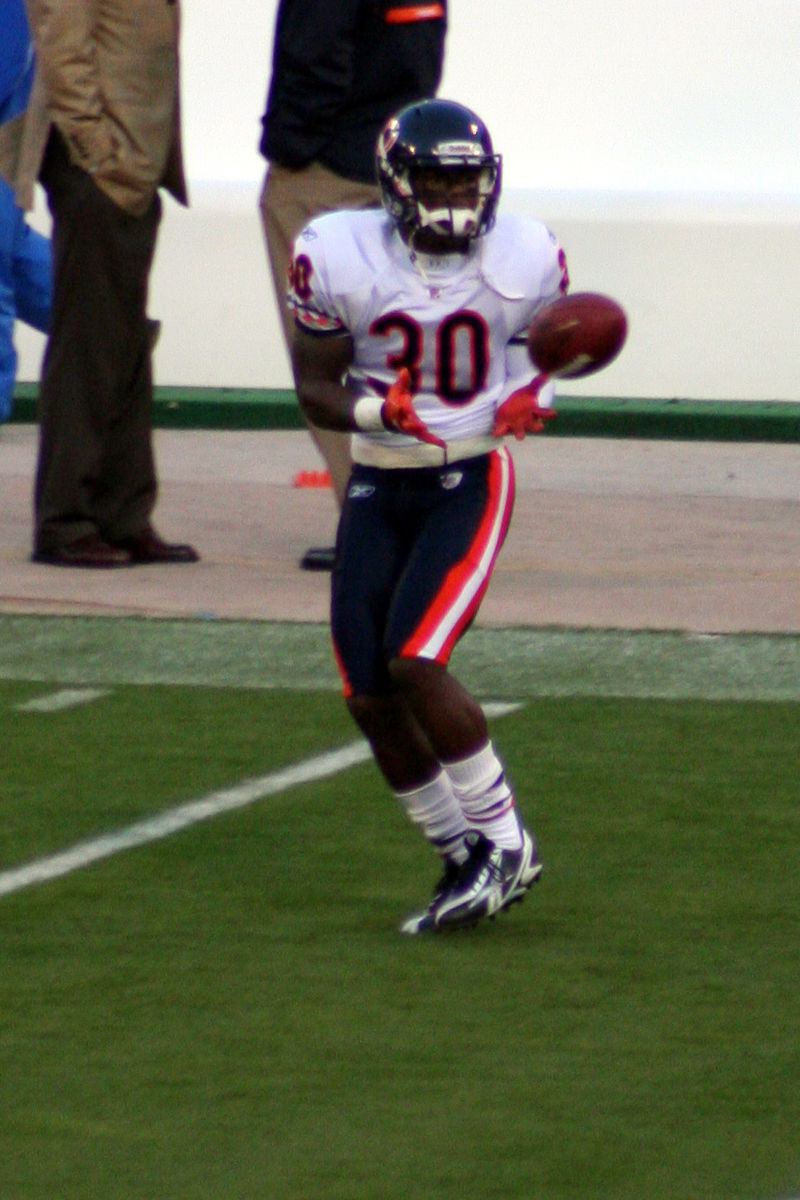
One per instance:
(465, 585)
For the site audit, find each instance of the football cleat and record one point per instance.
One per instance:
(423, 921)
(530, 870)
(489, 881)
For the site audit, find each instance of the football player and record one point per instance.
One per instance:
(410, 332)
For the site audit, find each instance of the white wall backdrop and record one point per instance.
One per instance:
(660, 139)
(679, 95)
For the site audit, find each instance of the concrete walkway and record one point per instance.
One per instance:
(607, 533)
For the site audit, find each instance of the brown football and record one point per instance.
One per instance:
(577, 335)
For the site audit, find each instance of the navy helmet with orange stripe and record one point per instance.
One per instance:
(438, 173)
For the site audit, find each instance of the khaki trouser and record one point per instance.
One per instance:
(289, 200)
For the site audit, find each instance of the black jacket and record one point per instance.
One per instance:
(340, 68)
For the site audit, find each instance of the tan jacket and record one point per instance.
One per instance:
(108, 79)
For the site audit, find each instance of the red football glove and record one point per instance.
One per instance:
(520, 414)
(398, 411)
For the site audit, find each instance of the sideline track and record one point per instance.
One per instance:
(502, 663)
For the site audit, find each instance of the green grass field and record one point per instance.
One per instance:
(228, 1013)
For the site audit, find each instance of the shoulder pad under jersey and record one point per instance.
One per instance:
(351, 245)
(521, 258)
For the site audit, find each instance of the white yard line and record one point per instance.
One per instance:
(154, 829)
(63, 699)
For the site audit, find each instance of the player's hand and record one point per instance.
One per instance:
(520, 414)
(398, 411)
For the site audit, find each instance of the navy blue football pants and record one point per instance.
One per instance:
(415, 552)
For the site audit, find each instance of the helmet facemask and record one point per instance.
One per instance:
(451, 198)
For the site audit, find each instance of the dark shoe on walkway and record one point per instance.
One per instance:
(148, 547)
(318, 558)
(88, 551)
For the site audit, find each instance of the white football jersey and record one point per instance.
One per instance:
(452, 320)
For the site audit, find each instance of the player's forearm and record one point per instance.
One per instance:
(326, 404)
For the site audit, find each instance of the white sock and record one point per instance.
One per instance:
(487, 801)
(434, 809)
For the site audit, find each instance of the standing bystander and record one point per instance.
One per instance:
(339, 70)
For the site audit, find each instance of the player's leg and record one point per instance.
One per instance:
(502, 862)
(453, 720)
(405, 759)
(370, 559)
(422, 789)
(441, 592)
(455, 727)
(401, 750)
(466, 511)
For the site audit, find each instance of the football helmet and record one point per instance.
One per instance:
(428, 150)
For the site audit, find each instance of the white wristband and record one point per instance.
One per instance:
(368, 413)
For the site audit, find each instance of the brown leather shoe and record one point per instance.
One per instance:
(88, 551)
(148, 547)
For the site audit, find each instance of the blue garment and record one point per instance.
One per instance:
(26, 287)
(16, 61)
(25, 260)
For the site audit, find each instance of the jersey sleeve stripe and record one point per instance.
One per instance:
(315, 321)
